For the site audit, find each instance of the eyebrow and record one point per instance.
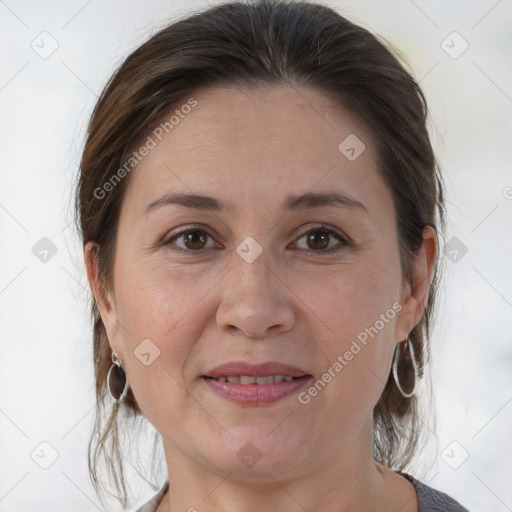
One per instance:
(292, 202)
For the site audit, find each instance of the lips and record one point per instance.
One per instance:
(245, 371)
(255, 385)
(257, 394)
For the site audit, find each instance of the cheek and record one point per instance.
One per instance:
(361, 307)
(171, 305)
(162, 317)
(156, 294)
(356, 299)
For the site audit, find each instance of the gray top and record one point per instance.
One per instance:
(429, 499)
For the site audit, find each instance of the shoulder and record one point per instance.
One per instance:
(153, 503)
(432, 500)
(429, 499)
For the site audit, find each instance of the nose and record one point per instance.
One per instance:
(256, 302)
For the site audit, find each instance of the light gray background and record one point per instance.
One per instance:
(46, 379)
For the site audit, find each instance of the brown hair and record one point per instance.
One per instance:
(254, 44)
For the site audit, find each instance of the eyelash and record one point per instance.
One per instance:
(322, 228)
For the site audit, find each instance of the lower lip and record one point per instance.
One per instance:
(256, 394)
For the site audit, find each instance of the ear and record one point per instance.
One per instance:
(415, 297)
(104, 300)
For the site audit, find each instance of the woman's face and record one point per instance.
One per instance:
(256, 280)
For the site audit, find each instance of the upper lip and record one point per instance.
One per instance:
(234, 368)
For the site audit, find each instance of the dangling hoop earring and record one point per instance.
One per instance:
(414, 365)
(116, 380)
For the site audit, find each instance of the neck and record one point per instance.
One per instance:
(348, 480)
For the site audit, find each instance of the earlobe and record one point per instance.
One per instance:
(407, 317)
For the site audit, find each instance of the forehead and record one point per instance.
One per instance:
(254, 144)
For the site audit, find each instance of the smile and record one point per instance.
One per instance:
(253, 391)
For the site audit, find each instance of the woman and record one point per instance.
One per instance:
(259, 204)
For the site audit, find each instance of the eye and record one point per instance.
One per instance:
(194, 240)
(318, 238)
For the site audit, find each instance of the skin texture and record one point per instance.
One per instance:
(250, 149)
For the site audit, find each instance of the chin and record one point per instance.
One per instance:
(252, 453)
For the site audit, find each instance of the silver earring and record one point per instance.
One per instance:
(117, 382)
(414, 366)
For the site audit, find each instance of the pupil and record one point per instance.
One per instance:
(194, 240)
(321, 234)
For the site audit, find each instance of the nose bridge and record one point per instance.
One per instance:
(252, 270)
(253, 299)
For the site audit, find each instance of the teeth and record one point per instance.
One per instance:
(263, 380)
(246, 379)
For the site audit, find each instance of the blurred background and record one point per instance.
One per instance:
(55, 58)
